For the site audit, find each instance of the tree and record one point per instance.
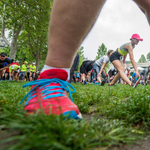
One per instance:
(15, 16)
(5, 49)
(101, 51)
(142, 59)
(34, 35)
(81, 56)
(148, 56)
(13, 20)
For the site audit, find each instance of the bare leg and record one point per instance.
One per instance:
(10, 73)
(120, 67)
(3, 73)
(6, 75)
(116, 77)
(83, 77)
(33, 76)
(144, 5)
(99, 79)
(70, 22)
(88, 75)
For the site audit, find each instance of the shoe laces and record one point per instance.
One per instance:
(49, 91)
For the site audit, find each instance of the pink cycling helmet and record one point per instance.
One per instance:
(136, 36)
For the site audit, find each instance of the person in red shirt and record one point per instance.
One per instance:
(13, 73)
(7, 73)
(16, 72)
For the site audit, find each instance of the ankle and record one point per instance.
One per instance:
(111, 83)
(46, 67)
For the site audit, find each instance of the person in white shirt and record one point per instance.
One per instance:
(100, 64)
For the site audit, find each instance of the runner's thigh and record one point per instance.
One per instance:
(118, 65)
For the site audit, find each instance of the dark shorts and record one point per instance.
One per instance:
(32, 74)
(2, 66)
(115, 56)
(28, 74)
(82, 69)
(16, 73)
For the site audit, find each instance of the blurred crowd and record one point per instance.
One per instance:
(108, 76)
(13, 70)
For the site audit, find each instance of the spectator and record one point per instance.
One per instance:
(134, 78)
(112, 72)
(85, 69)
(28, 72)
(13, 71)
(100, 64)
(33, 71)
(78, 76)
(4, 59)
(145, 74)
(74, 68)
(23, 70)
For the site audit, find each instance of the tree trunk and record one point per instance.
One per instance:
(37, 59)
(3, 28)
(13, 46)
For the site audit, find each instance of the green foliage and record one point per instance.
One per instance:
(81, 56)
(42, 63)
(142, 59)
(148, 56)
(101, 51)
(34, 35)
(34, 16)
(128, 62)
(5, 49)
(20, 12)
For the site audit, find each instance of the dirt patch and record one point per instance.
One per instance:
(4, 135)
(88, 117)
(143, 145)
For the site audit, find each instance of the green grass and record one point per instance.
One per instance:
(113, 116)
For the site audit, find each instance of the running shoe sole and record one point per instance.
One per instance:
(103, 82)
(137, 82)
(72, 114)
(111, 85)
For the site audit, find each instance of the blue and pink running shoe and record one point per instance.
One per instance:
(48, 94)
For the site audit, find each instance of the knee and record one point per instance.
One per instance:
(121, 70)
